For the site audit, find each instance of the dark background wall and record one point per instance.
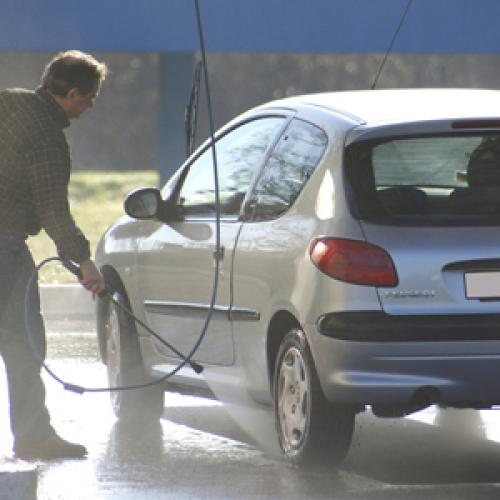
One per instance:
(121, 131)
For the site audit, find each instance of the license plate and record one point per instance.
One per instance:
(482, 285)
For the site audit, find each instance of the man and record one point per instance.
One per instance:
(34, 174)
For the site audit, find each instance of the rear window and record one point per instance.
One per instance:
(427, 180)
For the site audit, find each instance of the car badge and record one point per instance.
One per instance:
(409, 294)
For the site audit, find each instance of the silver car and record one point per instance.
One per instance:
(357, 265)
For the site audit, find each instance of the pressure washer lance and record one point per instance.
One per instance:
(74, 269)
(70, 266)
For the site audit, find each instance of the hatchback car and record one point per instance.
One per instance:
(358, 264)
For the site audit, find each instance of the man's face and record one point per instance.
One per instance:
(77, 103)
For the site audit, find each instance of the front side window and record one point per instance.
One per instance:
(240, 153)
(427, 180)
(289, 167)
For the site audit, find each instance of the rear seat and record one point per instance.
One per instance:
(404, 200)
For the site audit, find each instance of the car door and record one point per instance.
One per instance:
(272, 244)
(176, 261)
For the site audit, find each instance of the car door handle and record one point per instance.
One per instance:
(219, 254)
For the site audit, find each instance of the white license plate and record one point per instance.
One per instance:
(482, 285)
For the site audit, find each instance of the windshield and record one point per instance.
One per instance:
(427, 180)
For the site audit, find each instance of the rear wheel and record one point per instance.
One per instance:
(125, 368)
(311, 430)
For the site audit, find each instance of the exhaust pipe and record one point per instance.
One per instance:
(422, 398)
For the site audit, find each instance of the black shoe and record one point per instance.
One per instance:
(51, 448)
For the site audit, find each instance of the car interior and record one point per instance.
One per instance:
(474, 197)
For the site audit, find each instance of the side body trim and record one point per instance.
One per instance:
(188, 308)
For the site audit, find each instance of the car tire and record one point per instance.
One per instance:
(311, 430)
(125, 368)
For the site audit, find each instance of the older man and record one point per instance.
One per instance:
(35, 169)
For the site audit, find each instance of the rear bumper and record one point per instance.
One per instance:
(377, 326)
(365, 365)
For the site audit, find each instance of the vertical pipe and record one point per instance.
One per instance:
(175, 76)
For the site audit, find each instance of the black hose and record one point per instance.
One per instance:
(74, 269)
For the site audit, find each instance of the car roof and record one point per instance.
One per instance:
(372, 107)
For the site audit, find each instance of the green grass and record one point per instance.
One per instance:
(96, 201)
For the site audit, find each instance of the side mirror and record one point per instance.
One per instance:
(143, 203)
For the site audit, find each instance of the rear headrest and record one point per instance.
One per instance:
(484, 164)
(404, 200)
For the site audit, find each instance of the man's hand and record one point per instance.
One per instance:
(91, 278)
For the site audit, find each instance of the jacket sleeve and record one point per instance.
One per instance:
(48, 171)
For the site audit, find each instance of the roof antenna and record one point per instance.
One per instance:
(388, 51)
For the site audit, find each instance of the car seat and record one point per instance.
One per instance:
(482, 195)
(404, 200)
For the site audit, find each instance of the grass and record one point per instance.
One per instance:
(96, 201)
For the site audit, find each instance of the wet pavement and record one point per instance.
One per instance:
(197, 451)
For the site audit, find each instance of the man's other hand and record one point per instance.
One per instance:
(91, 278)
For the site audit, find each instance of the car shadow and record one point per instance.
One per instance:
(403, 451)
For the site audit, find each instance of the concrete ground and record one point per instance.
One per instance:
(199, 450)
(18, 479)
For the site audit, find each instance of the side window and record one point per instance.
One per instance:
(240, 154)
(289, 167)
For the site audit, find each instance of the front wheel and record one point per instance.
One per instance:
(125, 368)
(311, 430)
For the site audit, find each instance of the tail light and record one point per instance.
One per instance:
(353, 261)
